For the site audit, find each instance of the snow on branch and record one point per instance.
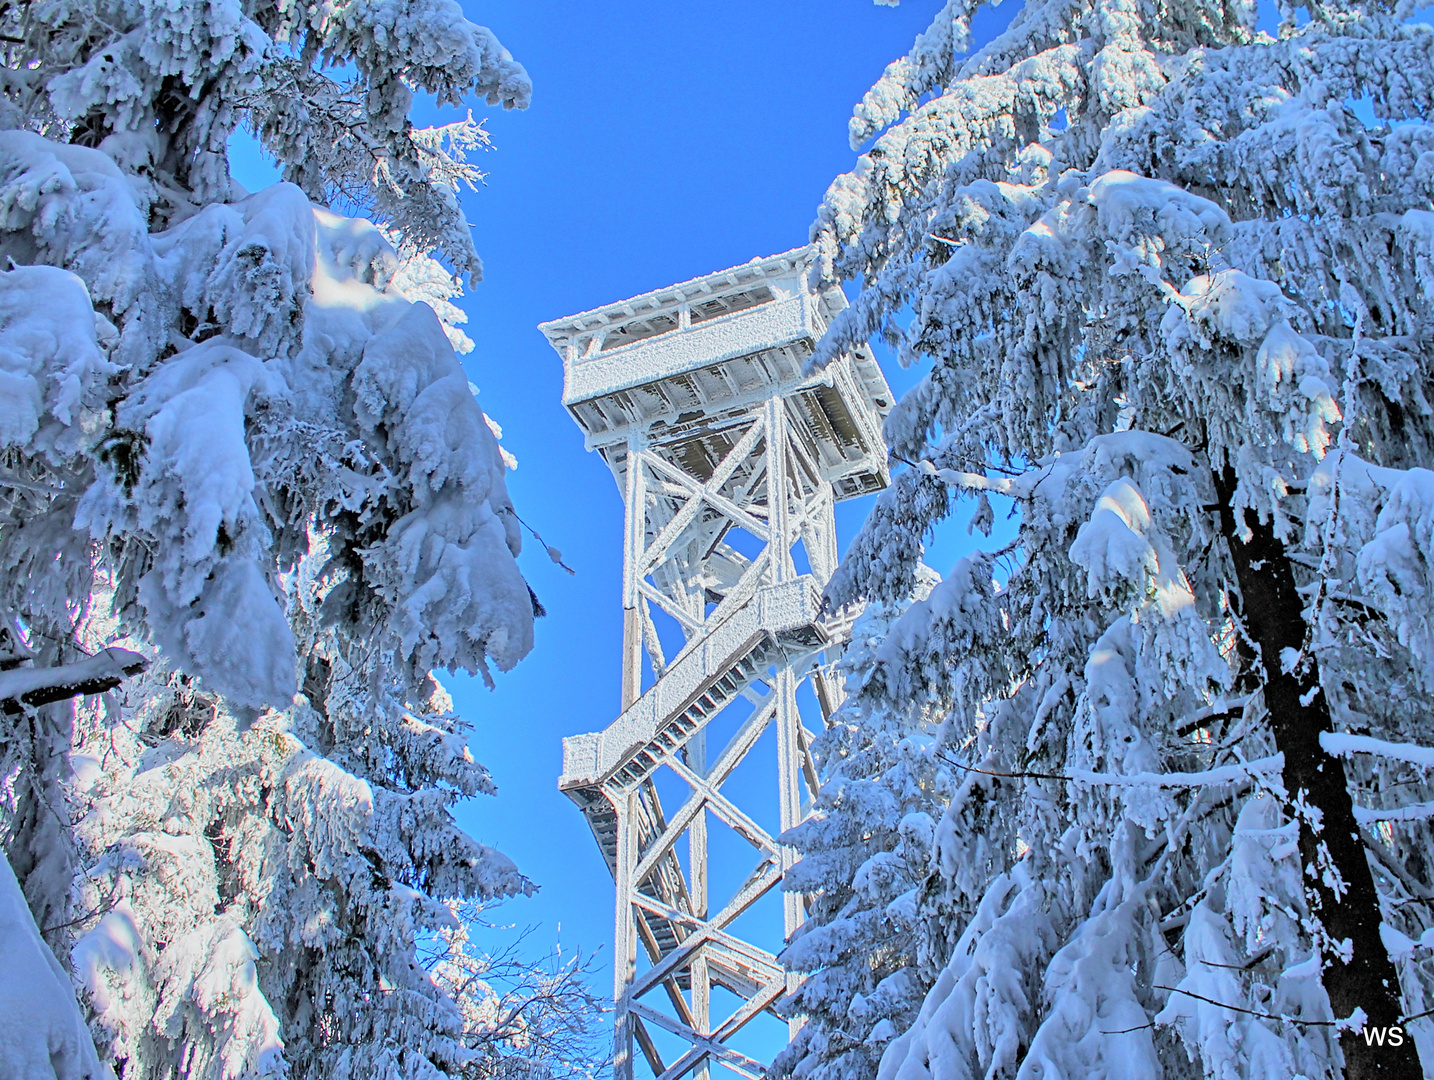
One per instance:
(1222, 774)
(1354, 1022)
(1420, 811)
(42, 1031)
(1337, 744)
(93, 675)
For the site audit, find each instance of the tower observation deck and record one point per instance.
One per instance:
(730, 459)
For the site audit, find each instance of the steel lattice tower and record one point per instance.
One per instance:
(730, 459)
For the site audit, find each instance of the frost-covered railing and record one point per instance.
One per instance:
(741, 334)
(789, 614)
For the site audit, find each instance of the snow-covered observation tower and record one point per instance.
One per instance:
(730, 459)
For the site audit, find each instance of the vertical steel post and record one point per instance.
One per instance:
(779, 515)
(697, 887)
(634, 541)
(624, 938)
(789, 779)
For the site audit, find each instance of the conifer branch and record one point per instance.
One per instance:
(1248, 1012)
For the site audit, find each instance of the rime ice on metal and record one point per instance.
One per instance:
(730, 458)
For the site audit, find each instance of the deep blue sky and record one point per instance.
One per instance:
(665, 140)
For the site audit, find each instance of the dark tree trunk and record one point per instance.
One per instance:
(1272, 614)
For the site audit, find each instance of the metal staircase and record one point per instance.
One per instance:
(730, 457)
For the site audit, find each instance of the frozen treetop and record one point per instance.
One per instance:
(237, 440)
(325, 88)
(1171, 295)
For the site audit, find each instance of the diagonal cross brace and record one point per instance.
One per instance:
(764, 997)
(725, 808)
(654, 552)
(766, 874)
(679, 957)
(730, 758)
(741, 517)
(735, 1060)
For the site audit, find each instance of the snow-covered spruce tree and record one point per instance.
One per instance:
(232, 437)
(1175, 297)
(43, 1031)
(864, 850)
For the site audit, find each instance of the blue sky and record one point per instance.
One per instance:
(665, 140)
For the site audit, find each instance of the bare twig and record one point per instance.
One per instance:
(1126, 1031)
(1248, 1012)
(1005, 775)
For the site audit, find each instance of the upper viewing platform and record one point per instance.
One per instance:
(675, 361)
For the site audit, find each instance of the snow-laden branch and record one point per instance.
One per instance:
(42, 1031)
(93, 675)
(1354, 1021)
(1338, 743)
(1221, 774)
(1420, 811)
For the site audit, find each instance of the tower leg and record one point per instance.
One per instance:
(789, 778)
(778, 492)
(634, 540)
(697, 885)
(624, 957)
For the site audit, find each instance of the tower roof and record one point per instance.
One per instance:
(677, 362)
